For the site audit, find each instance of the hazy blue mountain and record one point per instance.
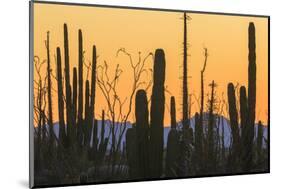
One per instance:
(222, 122)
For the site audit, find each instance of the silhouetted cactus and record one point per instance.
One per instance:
(248, 157)
(233, 115)
(131, 152)
(243, 113)
(173, 112)
(93, 88)
(244, 125)
(49, 91)
(173, 148)
(87, 128)
(44, 129)
(157, 114)
(80, 87)
(142, 134)
(62, 134)
(69, 118)
(74, 99)
(95, 138)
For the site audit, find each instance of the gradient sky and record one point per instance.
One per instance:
(226, 38)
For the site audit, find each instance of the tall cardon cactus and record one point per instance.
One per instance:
(69, 118)
(248, 152)
(233, 115)
(49, 93)
(157, 114)
(74, 101)
(80, 87)
(142, 134)
(62, 134)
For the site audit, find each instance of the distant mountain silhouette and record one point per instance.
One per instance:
(223, 122)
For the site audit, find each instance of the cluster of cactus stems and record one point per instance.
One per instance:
(80, 134)
(147, 159)
(242, 153)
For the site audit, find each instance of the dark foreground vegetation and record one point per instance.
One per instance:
(83, 152)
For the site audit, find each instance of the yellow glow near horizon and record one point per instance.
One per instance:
(110, 29)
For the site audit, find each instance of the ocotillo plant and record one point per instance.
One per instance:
(173, 148)
(62, 134)
(233, 115)
(50, 108)
(157, 114)
(69, 120)
(80, 87)
(142, 134)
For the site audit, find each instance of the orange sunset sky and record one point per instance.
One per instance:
(226, 38)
